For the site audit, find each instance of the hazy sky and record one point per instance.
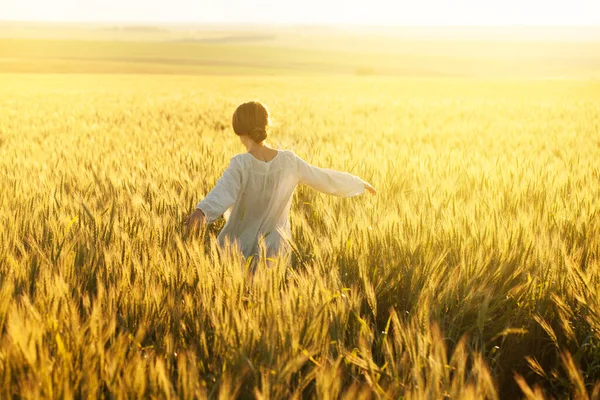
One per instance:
(368, 12)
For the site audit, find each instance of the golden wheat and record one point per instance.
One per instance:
(473, 274)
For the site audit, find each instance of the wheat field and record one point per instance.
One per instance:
(475, 272)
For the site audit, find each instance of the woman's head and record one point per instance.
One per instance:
(251, 119)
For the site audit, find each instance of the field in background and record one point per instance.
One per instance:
(473, 274)
(409, 52)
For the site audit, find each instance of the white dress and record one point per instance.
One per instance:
(261, 195)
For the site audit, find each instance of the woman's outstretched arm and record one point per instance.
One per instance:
(330, 181)
(221, 197)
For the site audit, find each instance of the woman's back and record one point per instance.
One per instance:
(261, 195)
(263, 204)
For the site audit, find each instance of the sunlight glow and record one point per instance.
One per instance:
(372, 12)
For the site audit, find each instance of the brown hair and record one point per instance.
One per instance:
(251, 119)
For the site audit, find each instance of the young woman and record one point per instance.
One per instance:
(259, 185)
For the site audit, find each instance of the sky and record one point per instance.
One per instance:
(363, 12)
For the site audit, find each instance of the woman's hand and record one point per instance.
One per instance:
(370, 189)
(195, 219)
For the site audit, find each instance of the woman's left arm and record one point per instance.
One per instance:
(221, 197)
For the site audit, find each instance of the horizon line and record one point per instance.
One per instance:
(297, 24)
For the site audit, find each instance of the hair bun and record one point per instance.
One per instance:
(258, 134)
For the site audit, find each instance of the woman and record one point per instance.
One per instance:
(260, 183)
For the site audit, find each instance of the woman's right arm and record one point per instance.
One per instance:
(330, 181)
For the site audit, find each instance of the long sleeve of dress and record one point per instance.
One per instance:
(329, 181)
(224, 194)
